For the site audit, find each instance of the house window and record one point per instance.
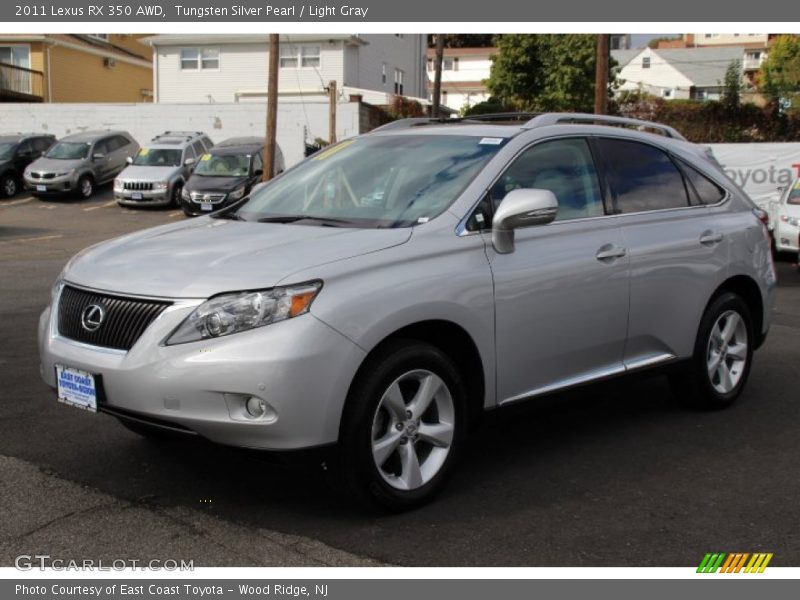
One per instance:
(288, 57)
(398, 82)
(194, 59)
(209, 58)
(383, 73)
(19, 56)
(646, 62)
(309, 56)
(450, 64)
(667, 93)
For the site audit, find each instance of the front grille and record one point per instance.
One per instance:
(43, 175)
(124, 322)
(139, 186)
(200, 197)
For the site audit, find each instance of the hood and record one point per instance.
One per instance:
(222, 185)
(146, 173)
(54, 165)
(206, 256)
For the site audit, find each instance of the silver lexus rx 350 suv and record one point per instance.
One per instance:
(380, 296)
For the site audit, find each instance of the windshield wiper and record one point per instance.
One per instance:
(296, 218)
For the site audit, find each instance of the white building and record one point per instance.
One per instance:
(233, 67)
(463, 73)
(697, 73)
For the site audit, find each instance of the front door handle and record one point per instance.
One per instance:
(610, 252)
(709, 238)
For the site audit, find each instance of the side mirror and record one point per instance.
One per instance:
(98, 156)
(129, 160)
(520, 208)
(189, 161)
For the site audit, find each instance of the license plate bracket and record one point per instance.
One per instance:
(76, 388)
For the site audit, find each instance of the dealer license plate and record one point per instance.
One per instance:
(41, 188)
(206, 206)
(76, 388)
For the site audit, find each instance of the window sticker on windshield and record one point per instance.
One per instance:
(331, 151)
(797, 185)
(205, 157)
(144, 151)
(491, 141)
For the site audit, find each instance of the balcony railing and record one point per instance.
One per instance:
(18, 83)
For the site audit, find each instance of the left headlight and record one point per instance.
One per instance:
(236, 194)
(232, 313)
(65, 173)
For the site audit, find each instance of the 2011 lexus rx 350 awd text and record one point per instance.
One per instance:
(384, 293)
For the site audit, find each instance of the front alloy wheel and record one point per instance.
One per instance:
(403, 426)
(412, 429)
(85, 187)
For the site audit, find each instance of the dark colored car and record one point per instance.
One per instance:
(226, 174)
(17, 151)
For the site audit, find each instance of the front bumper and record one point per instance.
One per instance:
(301, 367)
(143, 198)
(57, 185)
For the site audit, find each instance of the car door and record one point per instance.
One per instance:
(121, 150)
(561, 297)
(101, 160)
(677, 247)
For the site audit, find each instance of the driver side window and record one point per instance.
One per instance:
(566, 168)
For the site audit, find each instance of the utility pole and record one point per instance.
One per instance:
(272, 109)
(601, 75)
(332, 112)
(437, 76)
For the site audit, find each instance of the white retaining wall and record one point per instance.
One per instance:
(220, 121)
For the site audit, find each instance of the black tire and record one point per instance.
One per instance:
(693, 386)
(85, 187)
(176, 195)
(155, 434)
(9, 186)
(357, 471)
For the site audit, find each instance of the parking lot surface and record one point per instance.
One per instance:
(612, 475)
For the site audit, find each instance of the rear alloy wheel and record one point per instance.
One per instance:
(9, 186)
(722, 357)
(85, 187)
(403, 426)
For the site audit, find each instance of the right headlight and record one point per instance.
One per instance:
(241, 311)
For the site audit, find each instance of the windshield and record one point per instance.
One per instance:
(794, 194)
(7, 150)
(223, 165)
(157, 157)
(392, 181)
(69, 150)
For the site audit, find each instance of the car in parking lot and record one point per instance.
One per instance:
(160, 169)
(226, 174)
(77, 163)
(375, 300)
(17, 151)
(786, 219)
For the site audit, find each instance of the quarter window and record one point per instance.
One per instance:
(704, 190)
(566, 168)
(644, 177)
(198, 148)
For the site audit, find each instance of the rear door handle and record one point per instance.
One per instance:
(610, 252)
(709, 238)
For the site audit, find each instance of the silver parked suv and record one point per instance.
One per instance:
(78, 163)
(160, 169)
(382, 294)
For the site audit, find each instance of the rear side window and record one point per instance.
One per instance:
(644, 177)
(198, 148)
(119, 141)
(42, 144)
(701, 189)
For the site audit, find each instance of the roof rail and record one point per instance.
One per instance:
(586, 118)
(416, 122)
(509, 117)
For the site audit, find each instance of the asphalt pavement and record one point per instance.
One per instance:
(612, 475)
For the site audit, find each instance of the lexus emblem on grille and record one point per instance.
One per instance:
(92, 317)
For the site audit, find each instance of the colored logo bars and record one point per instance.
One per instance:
(734, 562)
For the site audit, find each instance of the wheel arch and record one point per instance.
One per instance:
(456, 343)
(745, 287)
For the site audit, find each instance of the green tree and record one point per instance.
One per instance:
(732, 89)
(545, 72)
(779, 76)
(464, 40)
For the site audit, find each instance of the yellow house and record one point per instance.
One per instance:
(96, 67)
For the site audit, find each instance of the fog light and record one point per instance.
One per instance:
(256, 407)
